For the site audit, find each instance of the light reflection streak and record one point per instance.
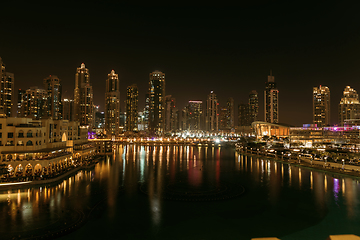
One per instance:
(289, 175)
(336, 189)
(325, 183)
(142, 163)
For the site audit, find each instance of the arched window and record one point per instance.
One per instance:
(21, 134)
(29, 143)
(29, 134)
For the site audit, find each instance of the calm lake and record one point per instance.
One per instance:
(184, 192)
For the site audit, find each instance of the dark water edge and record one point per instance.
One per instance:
(184, 192)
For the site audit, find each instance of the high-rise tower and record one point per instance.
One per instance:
(156, 102)
(194, 119)
(170, 114)
(230, 122)
(349, 106)
(212, 113)
(20, 98)
(132, 97)
(53, 88)
(321, 106)
(68, 109)
(34, 103)
(6, 91)
(253, 106)
(271, 101)
(83, 97)
(112, 104)
(243, 115)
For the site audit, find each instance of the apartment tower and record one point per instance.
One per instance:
(83, 97)
(321, 106)
(271, 101)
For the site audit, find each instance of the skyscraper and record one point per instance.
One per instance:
(68, 109)
(212, 113)
(34, 104)
(6, 91)
(253, 106)
(20, 98)
(194, 115)
(349, 106)
(230, 122)
(83, 97)
(132, 96)
(146, 111)
(223, 119)
(243, 115)
(53, 88)
(112, 104)
(321, 106)
(271, 101)
(170, 114)
(156, 102)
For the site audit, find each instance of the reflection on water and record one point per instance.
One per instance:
(130, 190)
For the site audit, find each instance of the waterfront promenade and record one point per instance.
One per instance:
(26, 181)
(333, 167)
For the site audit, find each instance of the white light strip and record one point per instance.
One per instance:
(9, 184)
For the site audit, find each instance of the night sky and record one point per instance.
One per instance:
(227, 49)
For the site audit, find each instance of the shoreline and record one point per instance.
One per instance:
(305, 164)
(61, 177)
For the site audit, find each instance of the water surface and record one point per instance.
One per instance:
(184, 192)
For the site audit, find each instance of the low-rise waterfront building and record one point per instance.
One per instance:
(262, 129)
(42, 147)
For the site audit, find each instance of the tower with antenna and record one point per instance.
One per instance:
(271, 100)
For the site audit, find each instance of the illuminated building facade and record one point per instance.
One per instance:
(223, 118)
(34, 103)
(156, 102)
(270, 129)
(212, 113)
(312, 136)
(99, 120)
(321, 106)
(271, 101)
(53, 88)
(170, 114)
(83, 97)
(141, 121)
(146, 111)
(349, 106)
(42, 147)
(230, 121)
(194, 115)
(6, 90)
(183, 121)
(253, 106)
(132, 97)
(243, 115)
(112, 104)
(68, 109)
(20, 98)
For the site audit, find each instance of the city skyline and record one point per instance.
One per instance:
(198, 50)
(337, 121)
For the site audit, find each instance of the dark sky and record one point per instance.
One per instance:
(227, 49)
